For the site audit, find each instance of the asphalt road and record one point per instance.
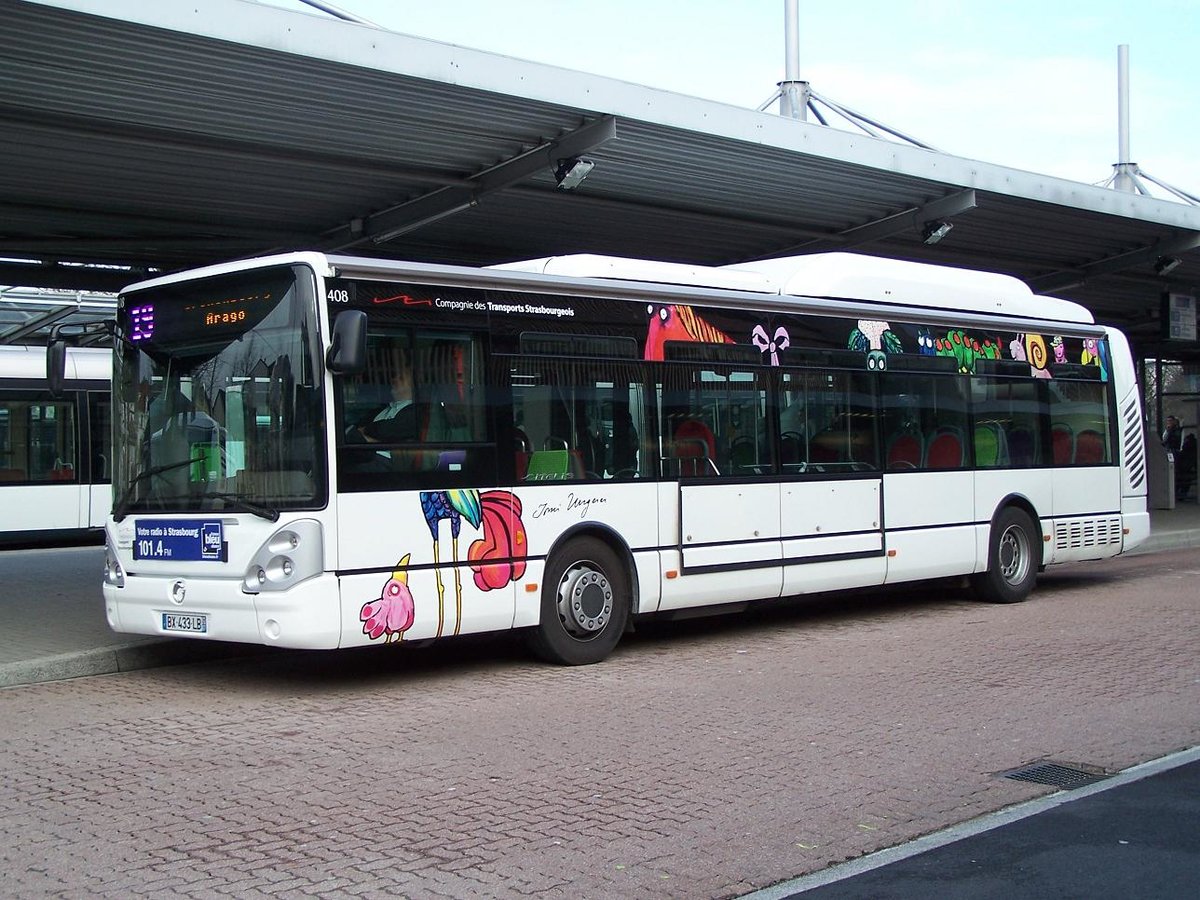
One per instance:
(1139, 839)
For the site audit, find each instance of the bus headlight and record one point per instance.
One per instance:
(291, 555)
(113, 573)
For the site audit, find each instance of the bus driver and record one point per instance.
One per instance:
(397, 421)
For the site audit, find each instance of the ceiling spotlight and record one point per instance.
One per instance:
(1166, 264)
(571, 172)
(935, 231)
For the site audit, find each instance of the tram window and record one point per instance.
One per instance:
(37, 440)
(100, 435)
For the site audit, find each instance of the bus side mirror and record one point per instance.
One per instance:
(348, 349)
(56, 366)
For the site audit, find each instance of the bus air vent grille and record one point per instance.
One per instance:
(1135, 450)
(1080, 533)
(1060, 775)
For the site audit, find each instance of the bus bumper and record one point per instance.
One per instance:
(1136, 526)
(305, 617)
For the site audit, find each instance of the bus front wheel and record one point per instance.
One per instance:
(1014, 556)
(585, 604)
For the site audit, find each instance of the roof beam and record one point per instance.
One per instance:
(676, 213)
(909, 220)
(1062, 279)
(117, 224)
(76, 278)
(390, 223)
(234, 150)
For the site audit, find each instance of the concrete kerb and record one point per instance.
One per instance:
(121, 658)
(1168, 540)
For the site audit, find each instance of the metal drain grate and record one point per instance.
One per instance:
(1060, 775)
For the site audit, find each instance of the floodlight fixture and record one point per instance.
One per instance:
(571, 172)
(1164, 265)
(935, 231)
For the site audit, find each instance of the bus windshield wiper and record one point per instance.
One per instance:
(119, 508)
(269, 513)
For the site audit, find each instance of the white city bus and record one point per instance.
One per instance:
(581, 441)
(54, 449)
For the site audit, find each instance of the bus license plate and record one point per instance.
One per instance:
(194, 623)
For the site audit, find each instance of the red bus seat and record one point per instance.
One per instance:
(1062, 442)
(945, 450)
(1089, 447)
(905, 451)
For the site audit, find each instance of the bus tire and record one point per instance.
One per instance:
(1014, 557)
(585, 604)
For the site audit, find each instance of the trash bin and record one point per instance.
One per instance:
(1160, 475)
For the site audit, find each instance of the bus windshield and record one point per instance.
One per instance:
(219, 396)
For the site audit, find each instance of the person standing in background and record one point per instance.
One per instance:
(1172, 436)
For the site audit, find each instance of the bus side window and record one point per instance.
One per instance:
(924, 421)
(577, 420)
(1007, 414)
(827, 422)
(714, 422)
(417, 413)
(1081, 408)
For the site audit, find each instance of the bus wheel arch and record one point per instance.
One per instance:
(1014, 554)
(587, 598)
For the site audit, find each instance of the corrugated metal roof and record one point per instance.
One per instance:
(170, 135)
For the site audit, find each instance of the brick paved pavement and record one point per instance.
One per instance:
(704, 760)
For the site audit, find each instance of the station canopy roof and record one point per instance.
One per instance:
(160, 136)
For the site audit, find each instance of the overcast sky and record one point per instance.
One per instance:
(1031, 85)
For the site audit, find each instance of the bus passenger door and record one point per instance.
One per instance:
(929, 488)
(831, 503)
(724, 514)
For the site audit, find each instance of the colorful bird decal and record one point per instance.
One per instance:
(392, 614)
(497, 558)
(678, 323)
(455, 506)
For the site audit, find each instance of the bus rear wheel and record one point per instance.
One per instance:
(585, 604)
(1014, 556)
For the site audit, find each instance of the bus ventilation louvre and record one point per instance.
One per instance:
(1080, 533)
(1059, 775)
(1135, 450)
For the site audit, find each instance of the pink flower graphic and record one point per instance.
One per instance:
(392, 614)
